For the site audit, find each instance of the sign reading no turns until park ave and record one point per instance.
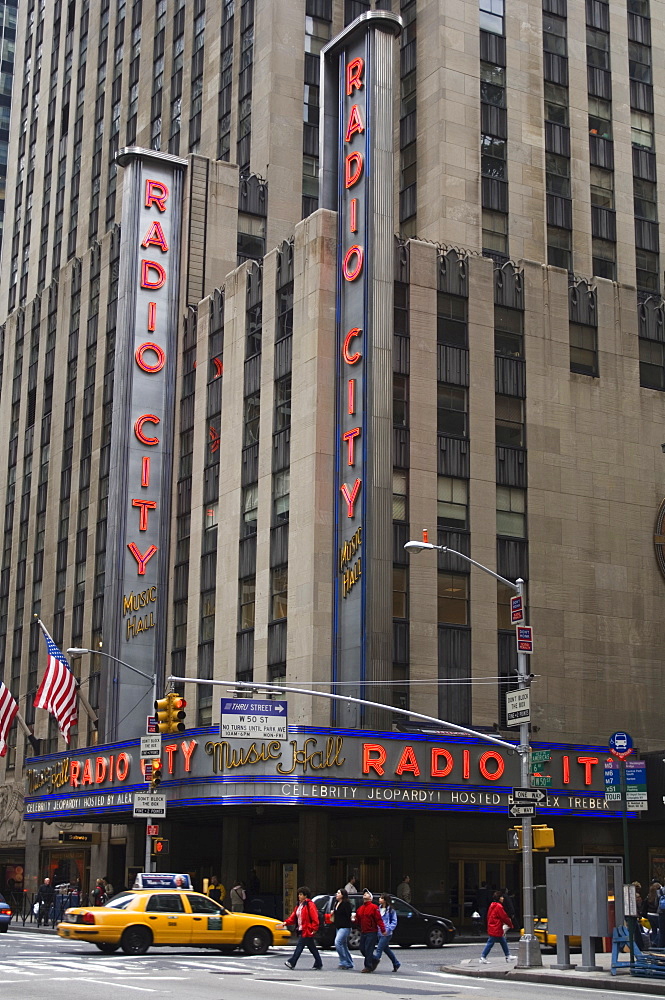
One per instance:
(253, 720)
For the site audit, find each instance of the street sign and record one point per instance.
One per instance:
(518, 707)
(613, 796)
(541, 780)
(529, 795)
(540, 756)
(620, 745)
(516, 610)
(149, 804)
(524, 639)
(151, 724)
(253, 719)
(522, 810)
(151, 746)
(147, 770)
(152, 830)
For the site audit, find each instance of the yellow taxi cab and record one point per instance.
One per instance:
(547, 939)
(136, 919)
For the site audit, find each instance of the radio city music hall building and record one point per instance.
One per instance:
(232, 395)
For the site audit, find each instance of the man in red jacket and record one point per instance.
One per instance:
(305, 918)
(370, 922)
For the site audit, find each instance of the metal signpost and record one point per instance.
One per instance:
(253, 719)
(621, 746)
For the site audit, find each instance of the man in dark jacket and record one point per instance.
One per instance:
(370, 922)
(305, 918)
(45, 897)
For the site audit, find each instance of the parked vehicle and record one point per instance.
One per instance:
(5, 914)
(413, 927)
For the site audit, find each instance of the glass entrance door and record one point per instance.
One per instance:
(466, 877)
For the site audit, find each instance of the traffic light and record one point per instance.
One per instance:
(160, 846)
(156, 776)
(543, 837)
(170, 712)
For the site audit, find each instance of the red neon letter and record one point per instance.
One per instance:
(441, 772)
(353, 169)
(350, 497)
(348, 437)
(145, 418)
(188, 749)
(351, 358)
(87, 773)
(170, 749)
(500, 766)
(353, 221)
(352, 391)
(145, 506)
(408, 762)
(152, 265)
(100, 770)
(145, 471)
(352, 273)
(466, 763)
(373, 763)
(156, 193)
(565, 760)
(142, 363)
(122, 766)
(74, 771)
(354, 71)
(355, 123)
(152, 316)
(142, 561)
(588, 766)
(155, 237)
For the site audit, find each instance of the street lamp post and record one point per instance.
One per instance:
(77, 651)
(529, 949)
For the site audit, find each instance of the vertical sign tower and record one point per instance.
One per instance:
(356, 181)
(139, 506)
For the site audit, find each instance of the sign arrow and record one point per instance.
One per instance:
(279, 708)
(529, 795)
(522, 810)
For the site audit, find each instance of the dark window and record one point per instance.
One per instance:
(279, 592)
(400, 592)
(452, 507)
(652, 364)
(511, 511)
(583, 349)
(250, 504)
(400, 401)
(247, 589)
(509, 421)
(508, 331)
(400, 495)
(165, 903)
(451, 320)
(252, 416)
(201, 904)
(283, 403)
(281, 497)
(451, 409)
(452, 598)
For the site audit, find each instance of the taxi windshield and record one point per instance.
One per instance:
(119, 902)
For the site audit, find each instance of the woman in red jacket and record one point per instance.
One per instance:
(305, 919)
(497, 919)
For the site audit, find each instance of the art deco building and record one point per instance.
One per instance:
(524, 426)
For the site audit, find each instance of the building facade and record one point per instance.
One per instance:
(524, 421)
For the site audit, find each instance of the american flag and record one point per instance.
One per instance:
(57, 691)
(8, 712)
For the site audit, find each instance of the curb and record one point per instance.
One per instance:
(630, 984)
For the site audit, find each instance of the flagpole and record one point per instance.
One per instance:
(89, 710)
(32, 739)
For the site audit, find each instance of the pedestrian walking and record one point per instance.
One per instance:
(370, 922)
(238, 897)
(305, 918)
(352, 885)
(403, 890)
(216, 890)
(98, 895)
(389, 917)
(651, 911)
(45, 898)
(342, 920)
(498, 922)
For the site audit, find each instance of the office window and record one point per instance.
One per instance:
(253, 330)
(247, 587)
(645, 199)
(279, 592)
(451, 410)
(602, 187)
(251, 237)
(250, 506)
(451, 320)
(452, 503)
(452, 598)
(647, 275)
(509, 415)
(252, 417)
(583, 349)
(597, 48)
(281, 485)
(559, 247)
(641, 129)
(511, 511)
(492, 156)
(652, 364)
(400, 495)
(400, 592)
(639, 62)
(400, 401)
(556, 103)
(604, 258)
(207, 628)
(554, 34)
(495, 231)
(508, 331)
(493, 84)
(283, 403)
(491, 16)
(600, 117)
(557, 176)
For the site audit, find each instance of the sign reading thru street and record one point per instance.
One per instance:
(253, 720)
(526, 809)
(518, 707)
(151, 746)
(149, 804)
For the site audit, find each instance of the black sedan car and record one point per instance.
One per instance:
(413, 927)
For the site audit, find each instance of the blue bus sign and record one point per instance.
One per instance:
(620, 744)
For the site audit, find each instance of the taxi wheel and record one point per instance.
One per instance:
(106, 948)
(136, 940)
(256, 941)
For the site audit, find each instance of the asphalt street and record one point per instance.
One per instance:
(35, 966)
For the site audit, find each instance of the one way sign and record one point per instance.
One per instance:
(522, 810)
(253, 720)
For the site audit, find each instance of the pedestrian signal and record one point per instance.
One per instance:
(160, 845)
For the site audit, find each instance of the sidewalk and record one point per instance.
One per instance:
(549, 974)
